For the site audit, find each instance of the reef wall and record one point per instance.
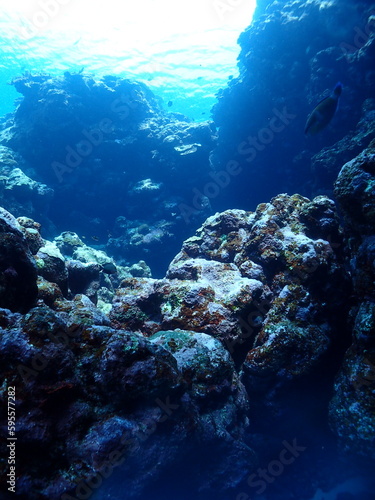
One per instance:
(291, 57)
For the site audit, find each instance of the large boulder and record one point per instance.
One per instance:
(93, 401)
(261, 282)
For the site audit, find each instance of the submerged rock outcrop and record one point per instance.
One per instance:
(352, 407)
(292, 55)
(258, 338)
(119, 168)
(181, 363)
(265, 283)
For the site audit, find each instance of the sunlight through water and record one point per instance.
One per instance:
(184, 51)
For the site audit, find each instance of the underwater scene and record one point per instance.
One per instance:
(187, 250)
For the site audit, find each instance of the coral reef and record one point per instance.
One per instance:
(352, 407)
(246, 311)
(261, 115)
(110, 134)
(91, 397)
(258, 330)
(242, 291)
(250, 280)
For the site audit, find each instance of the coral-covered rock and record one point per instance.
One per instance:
(352, 406)
(81, 312)
(84, 278)
(48, 292)
(67, 242)
(205, 365)
(90, 398)
(51, 266)
(214, 299)
(292, 55)
(150, 370)
(18, 289)
(355, 191)
(134, 297)
(264, 283)
(221, 406)
(31, 231)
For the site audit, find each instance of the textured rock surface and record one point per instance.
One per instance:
(355, 191)
(19, 193)
(260, 282)
(352, 407)
(246, 310)
(98, 397)
(291, 57)
(18, 289)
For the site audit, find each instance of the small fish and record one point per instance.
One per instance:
(95, 238)
(109, 268)
(323, 112)
(170, 103)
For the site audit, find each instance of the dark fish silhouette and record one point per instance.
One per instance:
(170, 103)
(323, 112)
(109, 268)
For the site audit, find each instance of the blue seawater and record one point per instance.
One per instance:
(184, 64)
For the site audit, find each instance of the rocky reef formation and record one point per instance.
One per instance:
(98, 398)
(291, 57)
(91, 397)
(352, 408)
(182, 365)
(120, 168)
(249, 279)
(258, 340)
